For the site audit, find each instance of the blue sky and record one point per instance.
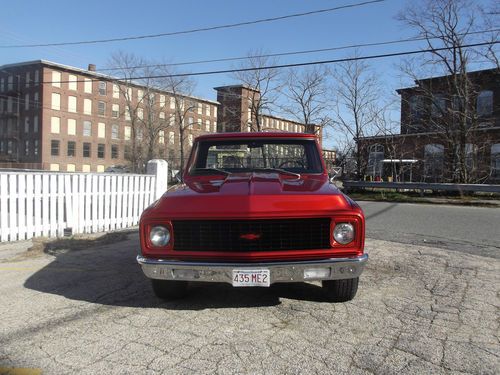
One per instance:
(34, 21)
(24, 22)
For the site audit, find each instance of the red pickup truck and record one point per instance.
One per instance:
(254, 209)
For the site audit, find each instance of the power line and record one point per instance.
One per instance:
(397, 41)
(203, 29)
(128, 80)
(321, 62)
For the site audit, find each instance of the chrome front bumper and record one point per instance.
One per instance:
(280, 272)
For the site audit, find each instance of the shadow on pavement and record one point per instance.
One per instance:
(108, 274)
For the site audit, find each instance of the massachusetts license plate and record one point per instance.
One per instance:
(251, 278)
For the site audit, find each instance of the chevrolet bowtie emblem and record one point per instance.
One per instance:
(250, 236)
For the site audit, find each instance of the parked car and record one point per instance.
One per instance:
(254, 209)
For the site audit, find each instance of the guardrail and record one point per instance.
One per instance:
(422, 186)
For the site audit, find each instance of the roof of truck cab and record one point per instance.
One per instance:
(255, 135)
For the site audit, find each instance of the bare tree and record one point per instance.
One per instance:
(356, 107)
(180, 88)
(145, 113)
(154, 123)
(392, 141)
(126, 67)
(451, 24)
(490, 16)
(264, 84)
(345, 149)
(306, 92)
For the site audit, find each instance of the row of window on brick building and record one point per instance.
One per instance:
(11, 105)
(271, 123)
(440, 103)
(10, 83)
(72, 82)
(434, 160)
(71, 146)
(115, 108)
(9, 147)
(86, 152)
(87, 131)
(71, 149)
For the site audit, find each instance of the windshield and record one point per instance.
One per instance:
(264, 155)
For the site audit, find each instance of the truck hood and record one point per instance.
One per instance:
(251, 195)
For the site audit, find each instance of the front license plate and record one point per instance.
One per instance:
(251, 278)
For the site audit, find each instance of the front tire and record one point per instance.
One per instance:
(169, 289)
(340, 290)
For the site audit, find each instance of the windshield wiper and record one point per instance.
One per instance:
(222, 171)
(279, 170)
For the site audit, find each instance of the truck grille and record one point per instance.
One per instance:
(251, 235)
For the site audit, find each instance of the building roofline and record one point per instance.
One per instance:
(32, 62)
(472, 72)
(417, 81)
(96, 74)
(244, 86)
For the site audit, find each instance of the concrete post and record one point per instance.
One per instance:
(159, 168)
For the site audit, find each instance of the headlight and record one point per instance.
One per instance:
(343, 233)
(159, 236)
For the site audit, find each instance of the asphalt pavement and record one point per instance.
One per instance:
(472, 230)
(419, 309)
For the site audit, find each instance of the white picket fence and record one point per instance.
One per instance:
(53, 204)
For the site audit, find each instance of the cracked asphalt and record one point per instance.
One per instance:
(418, 310)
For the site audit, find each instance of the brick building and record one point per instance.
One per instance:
(63, 118)
(238, 114)
(431, 135)
(58, 117)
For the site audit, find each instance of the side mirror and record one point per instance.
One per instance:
(178, 177)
